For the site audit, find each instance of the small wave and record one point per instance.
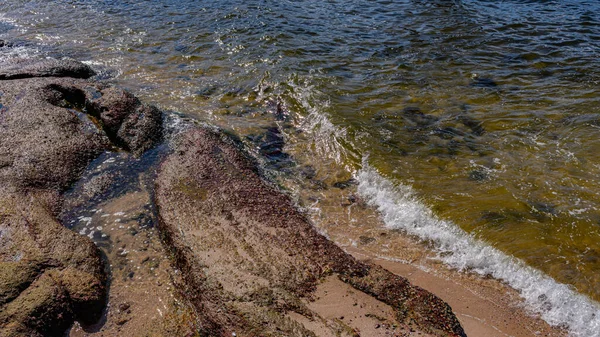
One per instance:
(556, 303)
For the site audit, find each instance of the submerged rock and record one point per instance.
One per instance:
(416, 118)
(250, 259)
(481, 82)
(345, 183)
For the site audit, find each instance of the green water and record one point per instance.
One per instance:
(488, 109)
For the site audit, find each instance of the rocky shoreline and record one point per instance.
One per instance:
(235, 256)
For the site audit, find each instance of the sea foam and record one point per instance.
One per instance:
(556, 303)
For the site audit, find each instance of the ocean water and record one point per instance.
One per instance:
(473, 124)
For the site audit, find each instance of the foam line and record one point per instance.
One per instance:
(556, 303)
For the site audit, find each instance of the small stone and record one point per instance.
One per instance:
(124, 306)
(122, 321)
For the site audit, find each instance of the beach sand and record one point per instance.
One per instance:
(484, 306)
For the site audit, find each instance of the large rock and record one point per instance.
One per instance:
(45, 144)
(27, 68)
(249, 258)
(50, 130)
(49, 276)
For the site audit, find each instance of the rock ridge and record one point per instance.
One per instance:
(249, 257)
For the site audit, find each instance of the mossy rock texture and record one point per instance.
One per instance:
(249, 257)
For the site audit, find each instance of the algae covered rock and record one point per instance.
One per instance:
(251, 261)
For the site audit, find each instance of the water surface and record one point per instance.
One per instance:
(487, 111)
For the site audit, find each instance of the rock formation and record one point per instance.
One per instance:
(251, 263)
(50, 129)
(250, 258)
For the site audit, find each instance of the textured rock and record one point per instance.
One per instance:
(130, 123)
(50, 130)
(49, 276)
(249, 257)
(28, 68)
(45, 145)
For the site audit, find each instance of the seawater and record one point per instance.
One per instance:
(472, 124)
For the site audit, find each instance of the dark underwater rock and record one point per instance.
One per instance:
(345, 183)
(483, 83)
(476, 126)
(416, 117)
(249, 257)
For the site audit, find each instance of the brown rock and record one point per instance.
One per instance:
(141, 129)
(49, 276)
(128, 122)
(50, 130)
(45, 145)
(248, 256)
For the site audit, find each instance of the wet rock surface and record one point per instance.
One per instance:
(130, 123)
(50, 130)
(250, 261)
(28, 68)
(44, 145)
(49, 276)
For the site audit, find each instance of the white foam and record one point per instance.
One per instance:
(558, 304)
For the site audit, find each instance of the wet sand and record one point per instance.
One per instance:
(483, 305)
(143, 297)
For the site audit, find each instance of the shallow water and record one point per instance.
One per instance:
(485, 112)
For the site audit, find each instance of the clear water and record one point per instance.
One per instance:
(488, 111)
